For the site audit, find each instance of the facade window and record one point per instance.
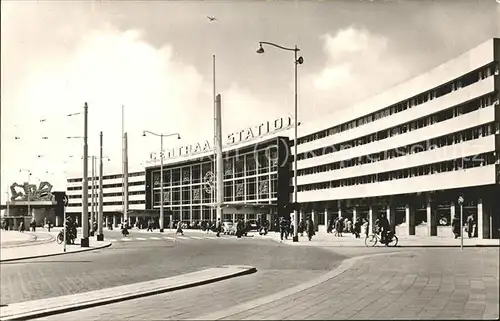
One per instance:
(263, 162)
(228, 191)
(251, 188)
(228, 168)
(430, 169)
(196, 177)
(239, 190)
(463, 81)
(239, 166)
(250, 164)
(176, 176)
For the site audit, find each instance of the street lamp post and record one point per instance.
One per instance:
(297, 61)
(161, 135)
(85, 190)
(92, 198)
(100, 235)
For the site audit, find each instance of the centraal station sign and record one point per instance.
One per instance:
(233, 138)
(257, 131)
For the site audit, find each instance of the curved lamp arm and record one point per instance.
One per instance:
(278, 46)
(160, 135)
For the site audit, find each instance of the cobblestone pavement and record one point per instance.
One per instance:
(138, 261)
(414, 284)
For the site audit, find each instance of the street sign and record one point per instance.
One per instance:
(65, 200)
(460, 202)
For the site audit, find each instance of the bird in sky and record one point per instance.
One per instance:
(212, 18)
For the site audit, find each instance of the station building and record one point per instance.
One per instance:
(409, 152)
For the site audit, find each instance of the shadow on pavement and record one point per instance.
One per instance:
(446, 246)
(38, 262)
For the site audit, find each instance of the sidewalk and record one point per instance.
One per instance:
(50, 306)
(348, 240)
(13, 237)
(17, 239)
(46, 249)
(425, 284)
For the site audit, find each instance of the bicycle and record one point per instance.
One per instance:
(373, 239)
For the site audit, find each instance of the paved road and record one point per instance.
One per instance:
(137, 261)
(10, 239)
(414, 284)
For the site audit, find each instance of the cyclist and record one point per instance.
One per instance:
(383, 226)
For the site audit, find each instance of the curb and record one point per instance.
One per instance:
(245, 270)
(56, 254)
(330, 244)
(344, 266)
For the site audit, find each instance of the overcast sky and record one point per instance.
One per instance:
(155, 57)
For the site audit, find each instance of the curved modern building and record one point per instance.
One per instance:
(409, 152)
(412, 151)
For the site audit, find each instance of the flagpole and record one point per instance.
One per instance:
(215, 142)
(123, 161)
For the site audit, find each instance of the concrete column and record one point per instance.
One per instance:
(410, 219)
(483, 220)
(340, 212)
(391, 216)
(480, 219)
(15, 227)
(114, 221)
(372, 216)
(78, 218)
(354, 215)
(326, 217)
(452, 211)
(431, 220)
(301, 215)
(314, 216)
(57, 220)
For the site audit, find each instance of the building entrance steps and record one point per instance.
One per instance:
(50, 306)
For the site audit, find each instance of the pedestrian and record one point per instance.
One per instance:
(218, 227)
(150, 225)
(21, 227)
(470, 225)
(330, 226)
(310, 228)
(455, 224)
(302, 227)
(49, 225)
(339, 227)
(283, 228)
(357, 227)
(179, 228)
(33, 225)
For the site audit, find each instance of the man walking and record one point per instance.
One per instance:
(218, 227)
(283, 228)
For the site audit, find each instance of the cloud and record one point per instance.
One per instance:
(358, 64)
(110, 68)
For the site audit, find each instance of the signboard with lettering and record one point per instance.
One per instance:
(260, 130)
(233, 138)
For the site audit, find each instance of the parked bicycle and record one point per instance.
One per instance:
(390, 240)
